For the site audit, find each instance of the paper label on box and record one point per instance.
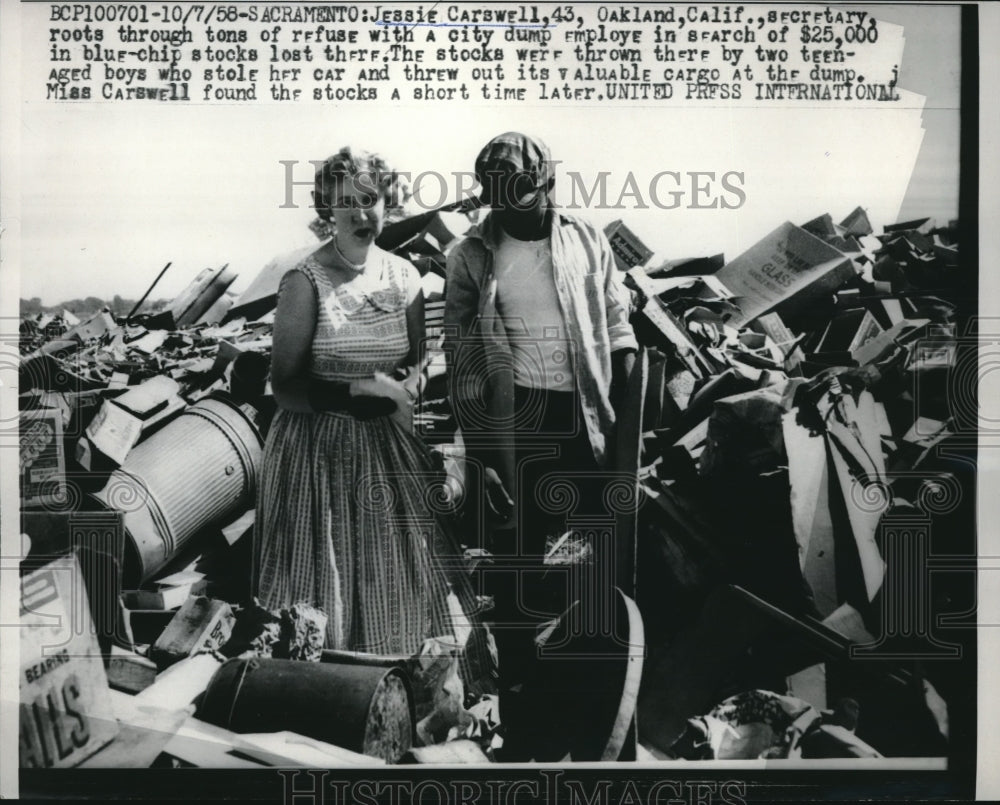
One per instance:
(41, 457)
(114, 431)
(628, 250)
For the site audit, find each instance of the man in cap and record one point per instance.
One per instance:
(539, 348)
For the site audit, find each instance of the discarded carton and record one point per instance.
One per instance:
(922, 225)
(167, 597)
(201, 624)
(849, 331)
(218, 310)
(42, 460)
(628, 250)
(785, 270)
(901, 332)
(114, 431)
(204, 745)
(94, 327)
(181, 683)
(66, 712)
(460, 751)
(96, 540)
(129, 672)
(195, 300)
(822, 226)
(857, 223)
(121, 422)
(689, 266)
(289, 749)
(148, 624)
(262, 293)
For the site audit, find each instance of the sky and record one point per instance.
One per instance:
(933, 188)
(110, 193)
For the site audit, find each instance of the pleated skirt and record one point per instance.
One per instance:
(346, 522)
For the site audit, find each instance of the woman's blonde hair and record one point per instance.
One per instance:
(369, 172)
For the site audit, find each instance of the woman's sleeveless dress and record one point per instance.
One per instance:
(344, 517)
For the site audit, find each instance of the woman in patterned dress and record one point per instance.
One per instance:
(343, 519)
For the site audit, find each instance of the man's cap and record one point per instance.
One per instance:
(513, 153)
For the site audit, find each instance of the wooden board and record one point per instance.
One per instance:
(208, 747)
(143, 733)
(289, 749)
(627, 456)
(461, 751)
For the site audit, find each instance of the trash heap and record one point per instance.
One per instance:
(141, 440)
(794, 409)
(800, 464)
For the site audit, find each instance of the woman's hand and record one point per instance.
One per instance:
(387, 387)
(412, 378)
(382, 385)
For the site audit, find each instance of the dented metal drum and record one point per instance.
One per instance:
(363, 708)
(199, 469)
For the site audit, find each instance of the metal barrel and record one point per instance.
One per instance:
(363, 708)
(199, 469)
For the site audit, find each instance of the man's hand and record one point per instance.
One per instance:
(498, 500)
(622, 362)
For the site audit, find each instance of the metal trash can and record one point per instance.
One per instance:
(199, 469)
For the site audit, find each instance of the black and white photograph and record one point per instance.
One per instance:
(497, 402)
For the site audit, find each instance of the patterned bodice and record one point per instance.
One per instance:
(360, 324)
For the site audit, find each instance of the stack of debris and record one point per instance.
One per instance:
(128, 427)
(141, 440)
(794, 416)
(795, 420)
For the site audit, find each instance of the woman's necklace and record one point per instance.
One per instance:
(357, 268)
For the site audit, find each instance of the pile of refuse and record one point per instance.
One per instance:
(795, 406)
(802, 461)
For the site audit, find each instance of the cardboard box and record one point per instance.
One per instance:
(668, 325)
(121, 422)
(201, 624)
(821, 226)
(857, 223)
(901, 332)
(114, 431)
(130, 672)
(94, 327)
(98, 540)
(849, 331)
(629, 251)
(921, 225)
(788, 268)
(66, 713)
(42, 460)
